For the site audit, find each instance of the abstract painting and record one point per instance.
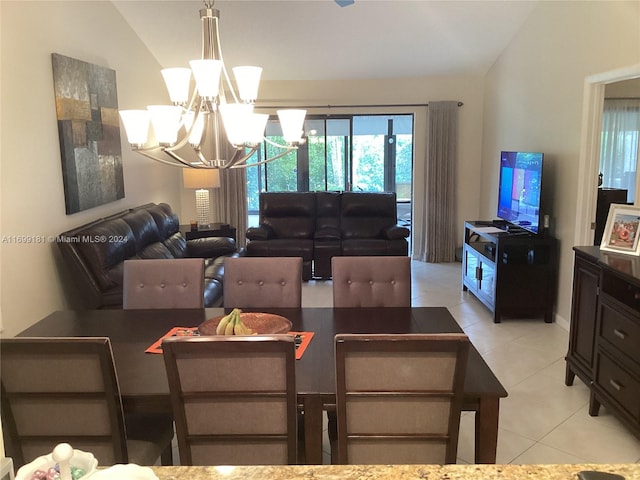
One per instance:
(89, 131)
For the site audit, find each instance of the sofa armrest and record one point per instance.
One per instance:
(210, 247)
(328, 233)
(395, 232)
(259, 233)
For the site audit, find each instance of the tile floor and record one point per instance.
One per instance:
(542, 420)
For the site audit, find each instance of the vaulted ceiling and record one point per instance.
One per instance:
(319, 40)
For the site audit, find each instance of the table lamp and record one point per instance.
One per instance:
(202, 180)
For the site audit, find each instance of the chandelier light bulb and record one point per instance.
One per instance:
(255, 129)
(136, 126)
(196, 134)
(292, 121)
(166, 122)
(178, 81)
(248, 80)
(207, 75)
(235, 117)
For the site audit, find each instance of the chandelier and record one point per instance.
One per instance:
(193, 131)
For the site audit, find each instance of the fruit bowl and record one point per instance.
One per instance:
(260, 323)
(80, 459)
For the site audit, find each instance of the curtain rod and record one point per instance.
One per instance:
(397, 105)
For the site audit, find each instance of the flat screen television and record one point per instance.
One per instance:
(520, 189)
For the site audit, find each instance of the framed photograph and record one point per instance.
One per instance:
(621, 233)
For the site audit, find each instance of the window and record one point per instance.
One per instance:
(343, 152)
(619, 144)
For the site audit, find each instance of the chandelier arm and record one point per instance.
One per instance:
(224, 68)
(262, 162)
(271, 142)
(178, 159)
(147, 152)
(241, 156)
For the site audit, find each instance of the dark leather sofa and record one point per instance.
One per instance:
(95, 253)
(320, 225)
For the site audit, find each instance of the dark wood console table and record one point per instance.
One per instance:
(604, 341)
(510, 272)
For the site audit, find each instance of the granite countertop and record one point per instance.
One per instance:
(395, 472)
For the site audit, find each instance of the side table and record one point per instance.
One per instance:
(211, 230)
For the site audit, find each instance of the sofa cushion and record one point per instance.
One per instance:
(288, 214)
(166, 220)
(365, 215)
(177, 245)
(156, 250)
(282, 248)
(104, 246)
(144, 228)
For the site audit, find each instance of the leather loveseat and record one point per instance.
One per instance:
(95, 253)
(320, 225)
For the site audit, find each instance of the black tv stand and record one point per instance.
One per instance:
(511, 271)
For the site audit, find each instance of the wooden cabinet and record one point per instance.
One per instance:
(604, 342)
(510, 273)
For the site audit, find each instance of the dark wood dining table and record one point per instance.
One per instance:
(143, 381)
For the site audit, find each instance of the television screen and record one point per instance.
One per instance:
(520, 189)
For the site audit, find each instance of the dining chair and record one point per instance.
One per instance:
(66, 390)
(233, 399)
(257, 282)
(163, 283)
(398, 397)
(371, 281)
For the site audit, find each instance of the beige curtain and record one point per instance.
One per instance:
(436, 241)
(230, 201)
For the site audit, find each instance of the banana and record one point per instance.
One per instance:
(228, 329)
(222, 324)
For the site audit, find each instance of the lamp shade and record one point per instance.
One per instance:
(136, 125)
(292, 122)
(248, 80)
(200, 178)
(177, 81)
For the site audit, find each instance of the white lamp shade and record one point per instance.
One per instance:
(177, 81)
(136, 125)
(207, 75)
(257, 125)
(292, 121)
(236, 118)
(200, 178)
(196, 133)
(166, 122)
(248, 80)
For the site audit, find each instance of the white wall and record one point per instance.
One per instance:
(534, 99)
(32, 196)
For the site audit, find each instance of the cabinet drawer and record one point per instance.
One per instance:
(621, 290)
(621, 331)
(620, 385)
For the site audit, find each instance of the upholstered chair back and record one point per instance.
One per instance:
(371, 281)
(255, 282)
(66, 390)
(163, 283)
(399, 397)
(233, 398)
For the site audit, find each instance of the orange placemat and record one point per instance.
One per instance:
(156, 347)
(302, 339)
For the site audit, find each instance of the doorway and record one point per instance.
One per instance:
(593, 101)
